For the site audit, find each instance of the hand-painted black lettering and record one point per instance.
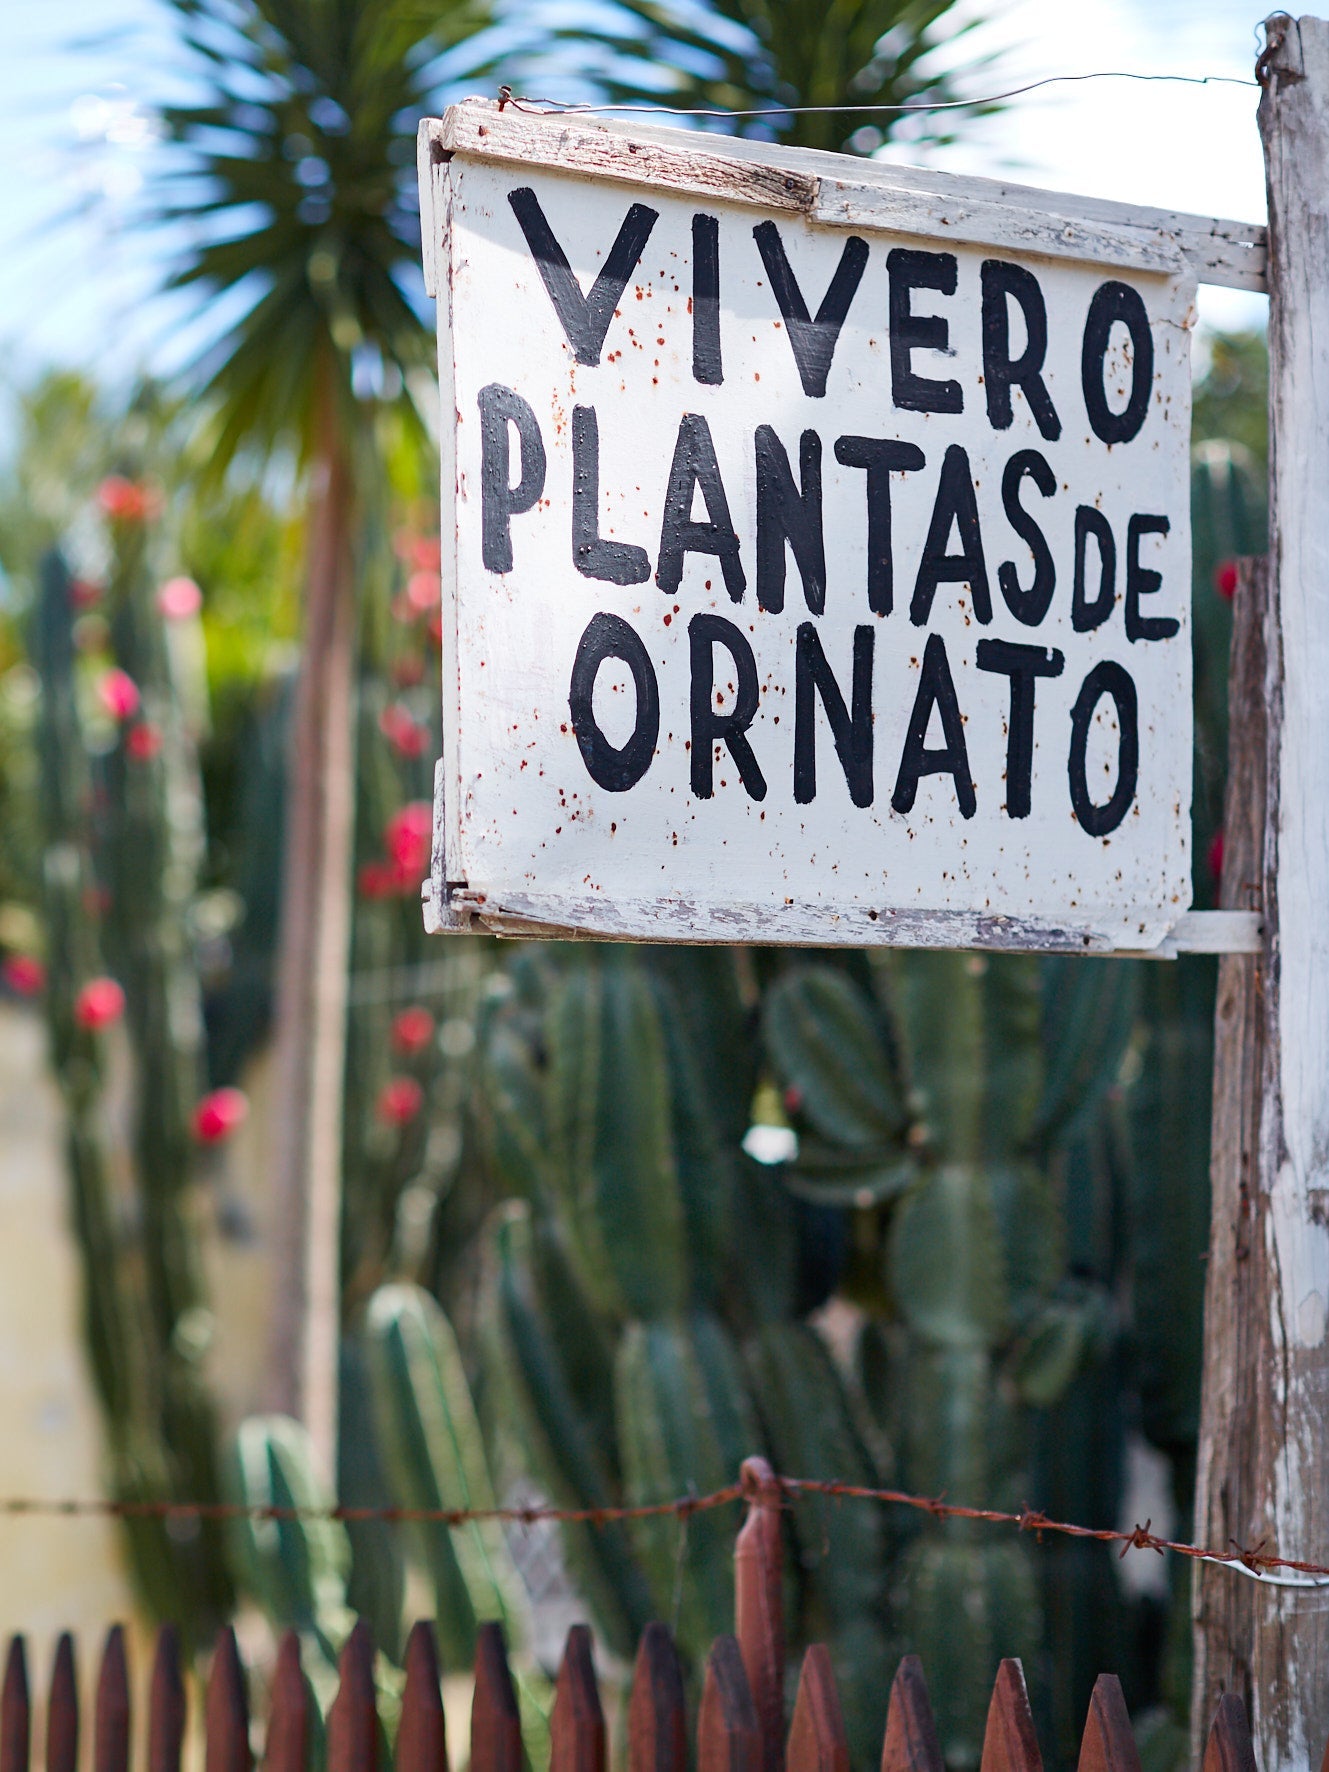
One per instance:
(788, 513)
(1113, 303)
(711, 725)
(881, 457)
(1001, 371)
(1024, 665)
(617, 562)
(1143, 581)
(1028, 606)
(499, 501)
(1089, 521)
(1106, 678)
(584, 318)
(908, 270)
(614, 768)
(813, 341)
(955, 504)
(851, 727)
(706, 362)
(694, 468)
(935, 690)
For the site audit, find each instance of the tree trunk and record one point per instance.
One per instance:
(312, 977)
(1264, 1473)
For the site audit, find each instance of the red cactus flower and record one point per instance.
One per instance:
(426, 554)
(178, 599)
(377, 879)
(408, 670)
(84, 593)
(118, 694)
(399, 1101)
(1215, 857)
(24, 975)
(142, 742)
(413, 1029)
(407, 835)
(422, 591)
(99, 1003)
(219, 1113)
(126, 501)
(399, 727)
(1225, 579)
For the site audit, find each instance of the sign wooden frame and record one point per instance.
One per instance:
(836, 192)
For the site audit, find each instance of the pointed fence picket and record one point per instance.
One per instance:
(741, 1724)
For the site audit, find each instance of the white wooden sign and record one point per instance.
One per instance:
(816, 548)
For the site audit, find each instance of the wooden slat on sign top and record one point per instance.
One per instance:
(657, 1713)
(841, 190)
(226, 1708)
(110, 1721)
(495, 1717)
(422, 1743)
(287, 1745)
(166, 1704)
(911, 1732)
(577, 1726)
(1229, 1747)
(817, 1740)
(728, 1739)
(62, 1710)
(759, 1606)
(15, 1710)
(1108, 1743)
(1009, 1742)
(353, 1719)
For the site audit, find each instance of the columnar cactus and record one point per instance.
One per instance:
(120, 854)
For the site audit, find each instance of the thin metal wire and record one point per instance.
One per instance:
(1254, 1561)
(553, 107)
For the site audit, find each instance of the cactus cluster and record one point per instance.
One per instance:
(648, 1289)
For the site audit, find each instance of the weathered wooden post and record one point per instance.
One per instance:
(1264, 1453)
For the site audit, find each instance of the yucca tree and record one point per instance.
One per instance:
(742, 55)
(292, 174)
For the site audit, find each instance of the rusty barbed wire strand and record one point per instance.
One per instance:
(1252, 1560)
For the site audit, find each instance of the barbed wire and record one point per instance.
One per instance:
(554, 107)
(1252, 1560)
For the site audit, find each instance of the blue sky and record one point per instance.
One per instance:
(75, 131)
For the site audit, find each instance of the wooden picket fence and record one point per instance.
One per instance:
(740, 1726)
